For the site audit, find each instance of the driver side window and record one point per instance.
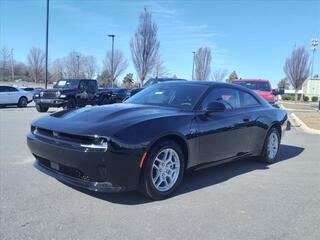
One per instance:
(228, 96)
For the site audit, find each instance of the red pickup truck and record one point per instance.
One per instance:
(260, 86)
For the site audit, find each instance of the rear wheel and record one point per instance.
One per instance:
(41, 108)
(271, 146)
(163, 170)
(23, 102)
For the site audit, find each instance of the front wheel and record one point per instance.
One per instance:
(271, 146)
(41, 108)
(163, 170)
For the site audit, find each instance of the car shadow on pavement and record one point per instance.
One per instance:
(195, 180)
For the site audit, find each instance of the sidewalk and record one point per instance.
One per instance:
(303, 114)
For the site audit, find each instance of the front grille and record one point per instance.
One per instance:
(63, 136)
(49, 94)
(69, 171)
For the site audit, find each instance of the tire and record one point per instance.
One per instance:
(270, 147)
(71, 104)
(41, 108)
(154, 172)
(23, 102)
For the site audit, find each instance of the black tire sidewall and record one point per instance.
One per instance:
(146, 185)
(21, 103)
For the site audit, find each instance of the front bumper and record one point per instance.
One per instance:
(89, 185)
(55, 102)
(96, 170)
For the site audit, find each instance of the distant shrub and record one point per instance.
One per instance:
(314, 99)
(305, 98)
(287, 97)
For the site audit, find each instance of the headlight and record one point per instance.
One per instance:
(97, 143)
(41, 94)
(36, 95)
(58, 93)
(63, 95)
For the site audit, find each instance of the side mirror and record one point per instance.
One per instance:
(215, 107)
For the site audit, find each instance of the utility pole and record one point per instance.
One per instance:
(193, 65)
(78, 62)
(47, 33)
(12, 71)
(112, 74)
(314, 44)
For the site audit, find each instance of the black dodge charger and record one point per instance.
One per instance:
(149, 141)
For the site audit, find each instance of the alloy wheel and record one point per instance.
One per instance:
(165, 169)
(273, 145)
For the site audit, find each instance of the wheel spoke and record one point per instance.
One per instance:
(165, 169)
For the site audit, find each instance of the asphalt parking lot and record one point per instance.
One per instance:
(239, 200)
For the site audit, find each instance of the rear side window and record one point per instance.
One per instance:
(228, 96)
(12, 89)
(247, 100)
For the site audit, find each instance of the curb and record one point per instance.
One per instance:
(299, 122)
(303, 125)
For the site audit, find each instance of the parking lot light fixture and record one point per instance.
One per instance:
(112, 75)
(314, 44)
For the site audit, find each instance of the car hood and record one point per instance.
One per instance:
(103, 120)
(62, 90)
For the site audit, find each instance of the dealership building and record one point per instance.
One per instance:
(311, 88)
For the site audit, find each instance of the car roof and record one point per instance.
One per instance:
(250, 80)
(167, 79)
(208, 83)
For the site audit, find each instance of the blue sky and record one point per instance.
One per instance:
(251, 37)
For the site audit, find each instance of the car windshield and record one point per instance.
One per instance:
(150, 82)
(67, 84)
(261, 86)
(169, 95)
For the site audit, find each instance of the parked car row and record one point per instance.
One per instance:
(72, 93)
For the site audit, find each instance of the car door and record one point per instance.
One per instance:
(13, 94)
(92, 89)
(223, 135)
(3, 95)
(252, 109)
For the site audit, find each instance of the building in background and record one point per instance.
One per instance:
(311, 88)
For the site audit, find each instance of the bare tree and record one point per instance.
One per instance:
(160, 69)
(145, 45)
(36, 64)
(297, 68)
(73, 64)
(90, 67)
(202, 63)
(120, 64)
(219, 75)
(5, 63)
(58, 69)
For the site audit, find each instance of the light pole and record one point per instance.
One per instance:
(193, 65)
(314, 44)
(112, 75)
(78, 62)
(47, 33)
(12, 71)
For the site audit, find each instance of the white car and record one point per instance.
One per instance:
(14, 96)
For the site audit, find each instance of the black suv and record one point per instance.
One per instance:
(71, 93)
